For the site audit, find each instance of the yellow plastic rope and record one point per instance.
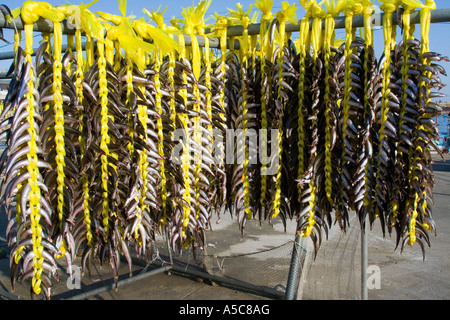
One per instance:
(109, 50)
(242, 17)
(368, 42)
(349, 36)
(79, 75)
(159, 126)
(29, 16)
(59, 125)
(221, 31)
(328, 39)
(46, 37)
(404, 73)
(388, 31)
(244, 46)
(143, 118)
(286, 14)
(17, 40)
(158, 18)
(105, 138)
(69, 50)
(208, 94)
(185, 158)
(303, 52)
(425, 18)
(89, 52)
(78, 16)
(265, 6)
(316, 36)
(171, 79)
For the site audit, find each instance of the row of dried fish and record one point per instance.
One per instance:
(333, 158)
(118, 185)
(103, 157)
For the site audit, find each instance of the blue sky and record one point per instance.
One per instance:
(438, 32)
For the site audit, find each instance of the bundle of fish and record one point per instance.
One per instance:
(106, 152)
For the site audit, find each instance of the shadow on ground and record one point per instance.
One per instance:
(441, 163)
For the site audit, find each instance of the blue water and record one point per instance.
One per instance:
(443, 125)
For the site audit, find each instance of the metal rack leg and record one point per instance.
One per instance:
(294, 271)
(364, 259)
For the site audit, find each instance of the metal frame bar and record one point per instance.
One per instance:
(43, 25)
(112, 286)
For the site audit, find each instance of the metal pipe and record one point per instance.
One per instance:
(130, 279)
(294, 270)
(8, 296)
(213, 42)
(438, 15)
(229, 281)
(43, 25)
(10, 54)
(364, 261)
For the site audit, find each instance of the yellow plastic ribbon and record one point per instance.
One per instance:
(31, 11)
(59, 122)
(185, 157)
(303, 44)
(266, 8)
(193, 17)
(286, 14)
(242, 17)
(264, 47)
(317, 13)
(329, 34)
(388, 7)
(78, 16)
(425, 18)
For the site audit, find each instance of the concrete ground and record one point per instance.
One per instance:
(256, 267)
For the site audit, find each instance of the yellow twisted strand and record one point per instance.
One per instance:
(244, 48)
(304, 31)
(70, 52)
(425, 17)
(59, 126)
(105, 138)
(329, 28)
(170, 76)
(208, 93)
(130, 90)
(280, 60)
(388, 32)
(79, 78)
(17, 40)
(89, 52)
(315, 40)
(267, 16)
(404, 72)
(159, 125)
(35, 193)
(185, 158)
(368, 42)
(425, 26)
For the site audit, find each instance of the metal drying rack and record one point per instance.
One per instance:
(44, 25)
